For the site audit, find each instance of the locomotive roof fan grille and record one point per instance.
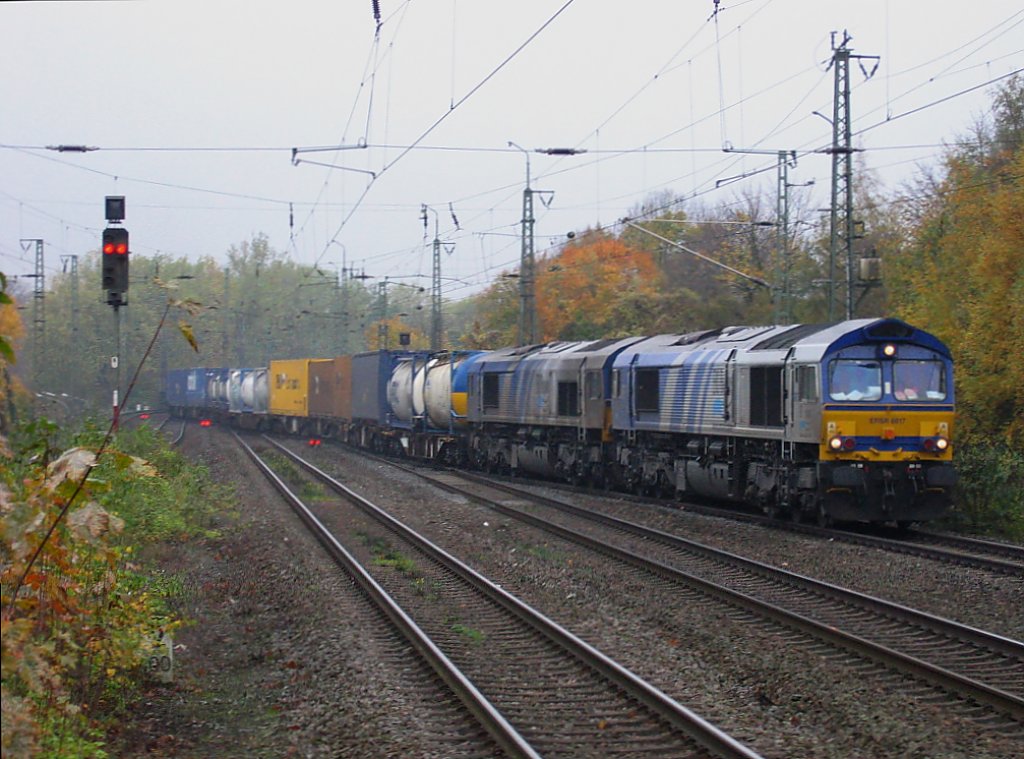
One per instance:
(890, 329)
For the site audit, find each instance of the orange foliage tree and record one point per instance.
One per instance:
(395, 327)
(596, 287)
(11, 331)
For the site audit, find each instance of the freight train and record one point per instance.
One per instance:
(848, 421)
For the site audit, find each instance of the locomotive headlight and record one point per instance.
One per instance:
(835, 443)
(889, 350)
(941, 444)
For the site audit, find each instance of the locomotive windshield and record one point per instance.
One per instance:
(855, 380)
(919, 381)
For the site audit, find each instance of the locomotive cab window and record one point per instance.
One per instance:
(919, 381)
(647, 395)
(855, 380)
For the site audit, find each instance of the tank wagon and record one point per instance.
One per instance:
(411, 403)
(848, 421)
(248, 396)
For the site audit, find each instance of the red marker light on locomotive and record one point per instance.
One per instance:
(205, 423)
(143, 416)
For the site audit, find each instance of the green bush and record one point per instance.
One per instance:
(990, 494)
(79, 621)
(173, 503)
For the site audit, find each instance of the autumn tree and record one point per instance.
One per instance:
(11, 331)
(595, 287)
(962, 275)
(496, 315)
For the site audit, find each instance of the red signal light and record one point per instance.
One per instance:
(115, 242)
(205, 423)
(314, 442)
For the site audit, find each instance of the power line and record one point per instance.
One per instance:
(442, 119)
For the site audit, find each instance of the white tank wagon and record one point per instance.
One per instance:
(254, 392)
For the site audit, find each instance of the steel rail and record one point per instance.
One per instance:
(504, 734)
(1001, 700)
(700, 730)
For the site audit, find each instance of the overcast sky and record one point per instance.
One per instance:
(196, 106)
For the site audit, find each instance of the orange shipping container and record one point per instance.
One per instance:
(330, 388)
(289, 385)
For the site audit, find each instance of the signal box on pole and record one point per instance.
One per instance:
(115, 265)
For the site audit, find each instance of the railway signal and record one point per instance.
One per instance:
(115, 264)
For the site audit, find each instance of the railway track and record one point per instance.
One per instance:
(1011, 554)
(532, 678)
(992, 556)
(979, 673)
(175, 438)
